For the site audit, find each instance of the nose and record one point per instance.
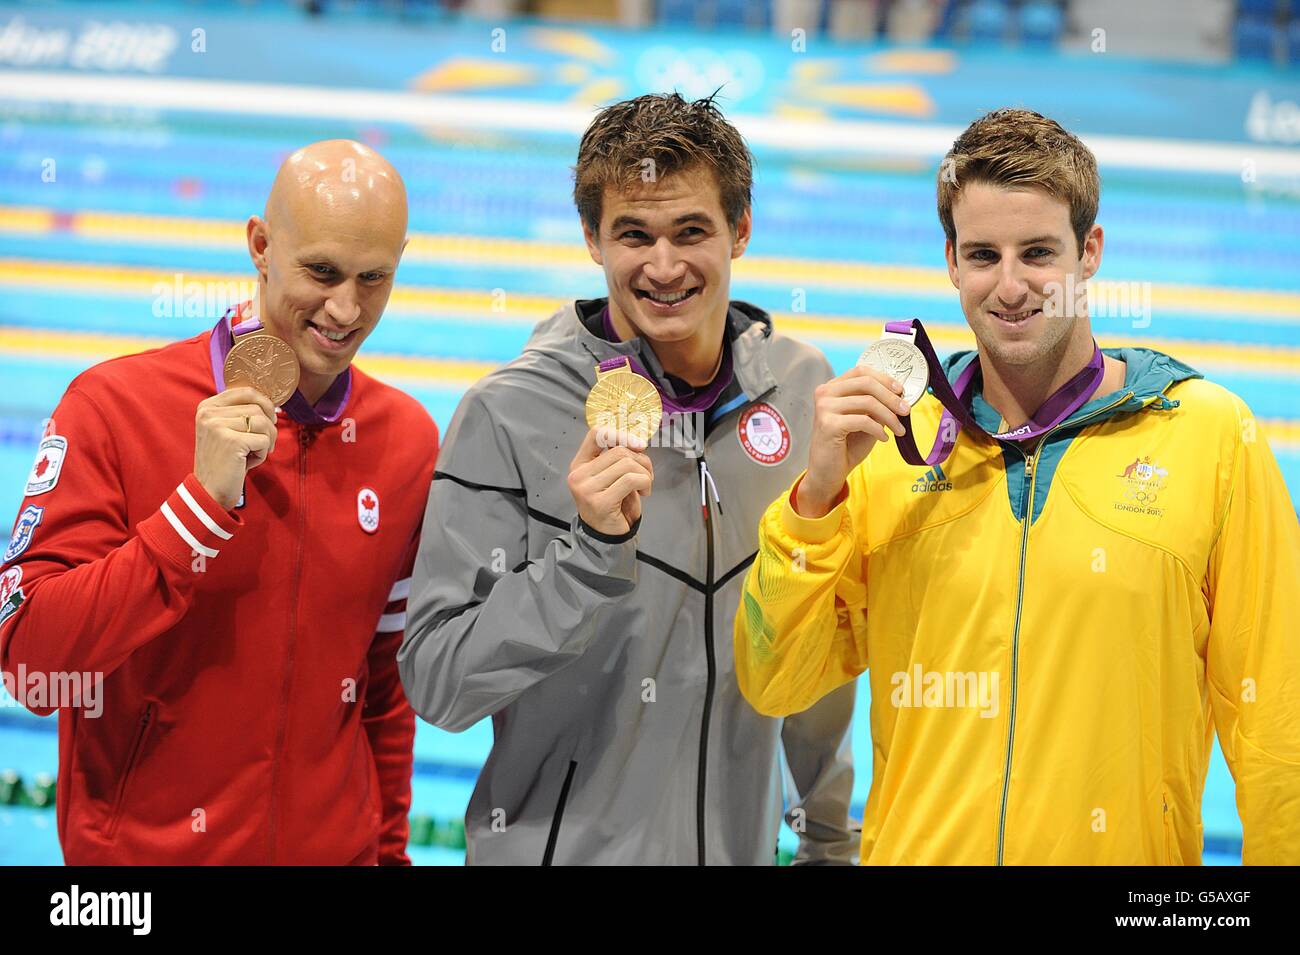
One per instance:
(342, 306)
(1012, 288)
(665, 267)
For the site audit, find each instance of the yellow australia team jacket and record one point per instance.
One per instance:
(1052, 639)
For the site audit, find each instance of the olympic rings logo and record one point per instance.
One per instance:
(1143, 493)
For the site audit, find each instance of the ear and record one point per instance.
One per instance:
(593, 247)
(950, 256)
(744, 228)
(1092, 246)
(259, 237)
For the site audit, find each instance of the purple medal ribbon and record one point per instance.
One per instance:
(957, 415)
(326, 411)
(700, 400)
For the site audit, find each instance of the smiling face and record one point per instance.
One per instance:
(1018, 268)
(326, 290)
(666, 249)
(327, 253)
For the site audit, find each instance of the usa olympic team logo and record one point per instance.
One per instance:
(763, 434)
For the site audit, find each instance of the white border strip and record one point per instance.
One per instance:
(200, 513)
(184, 532)
(794, 135)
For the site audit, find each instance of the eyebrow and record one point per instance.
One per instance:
(629, 220)
(326, 260)
(1036, 240)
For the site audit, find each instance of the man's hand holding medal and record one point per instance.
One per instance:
(611, 471)
(234, 431)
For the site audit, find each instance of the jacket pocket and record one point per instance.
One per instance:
(133, 757)
(559, 814)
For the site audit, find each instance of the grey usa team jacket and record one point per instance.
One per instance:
(620, 734)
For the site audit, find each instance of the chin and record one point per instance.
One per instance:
(1012, 353)
(670, 328)
(313, 363)
(337, 366)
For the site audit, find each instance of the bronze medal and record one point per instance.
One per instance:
(262, 361)
(625, 401)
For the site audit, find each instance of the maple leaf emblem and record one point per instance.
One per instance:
(368, 502)
(42, 465)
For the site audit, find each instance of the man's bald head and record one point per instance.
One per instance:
(334, 179)
(326, 251)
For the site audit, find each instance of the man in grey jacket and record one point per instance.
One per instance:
(591, 618)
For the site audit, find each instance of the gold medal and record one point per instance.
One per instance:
(262, 361)
(625, 401)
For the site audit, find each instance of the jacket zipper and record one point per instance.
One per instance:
(706, 484)
(1030, 462)
(145, 718)
(303, 441)
(549, 855)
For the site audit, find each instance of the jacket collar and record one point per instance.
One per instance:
(1148, 375)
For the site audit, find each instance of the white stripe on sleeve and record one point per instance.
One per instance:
(184, 532)
(200, 513)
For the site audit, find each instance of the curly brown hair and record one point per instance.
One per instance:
(661, 134)
(1017, 148)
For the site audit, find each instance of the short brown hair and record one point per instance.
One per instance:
(1017, 148)
(674, 136)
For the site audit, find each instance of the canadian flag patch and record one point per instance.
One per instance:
(48, 464)
(368, 510)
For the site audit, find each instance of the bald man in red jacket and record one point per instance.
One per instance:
(233, 572)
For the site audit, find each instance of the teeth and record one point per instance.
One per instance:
(669, 298)
(332, 336)
(1017, 317)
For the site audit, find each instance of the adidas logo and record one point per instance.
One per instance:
(932, 480)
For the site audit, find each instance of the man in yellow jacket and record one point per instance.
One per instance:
(1096, 571)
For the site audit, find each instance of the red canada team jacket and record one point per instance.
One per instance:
(252, 711)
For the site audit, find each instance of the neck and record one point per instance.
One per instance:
(695, 360)
(1017, 391)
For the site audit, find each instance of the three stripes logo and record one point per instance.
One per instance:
(932, 480)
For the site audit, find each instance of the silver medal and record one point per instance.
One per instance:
(902, 361)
